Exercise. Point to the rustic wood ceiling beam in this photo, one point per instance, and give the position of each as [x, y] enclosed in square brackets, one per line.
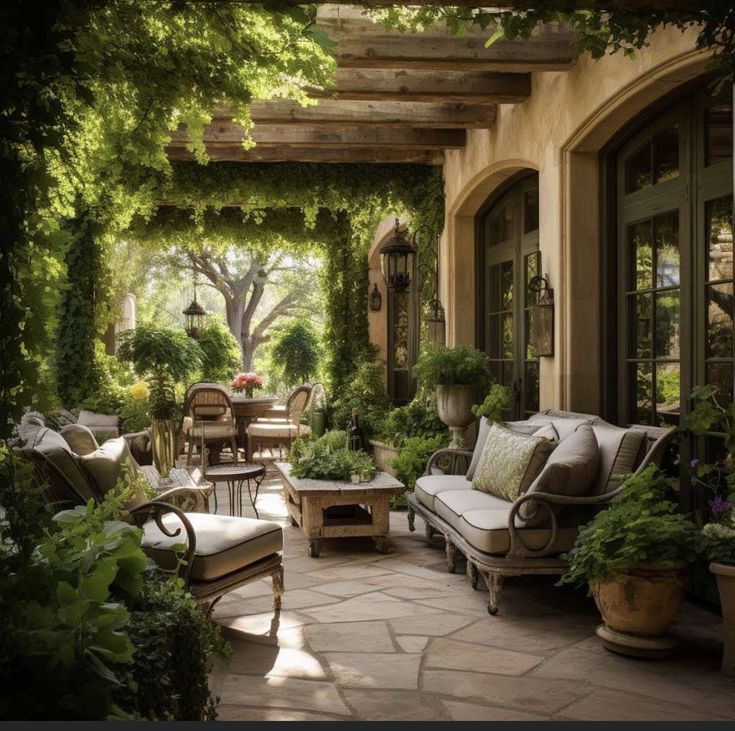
[235, 153]
[642, 5]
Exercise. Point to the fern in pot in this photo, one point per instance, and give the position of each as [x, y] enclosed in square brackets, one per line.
[458, 375]
[634, 557]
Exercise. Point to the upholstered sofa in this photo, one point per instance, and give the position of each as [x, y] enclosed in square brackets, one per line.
[223, 552]
[499, 538]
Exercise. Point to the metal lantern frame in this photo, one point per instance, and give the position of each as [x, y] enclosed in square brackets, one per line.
[195, 316]
[541, 317]
[397, 258]
[375, 299]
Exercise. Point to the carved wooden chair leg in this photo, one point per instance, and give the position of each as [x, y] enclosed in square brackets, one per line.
[473, 575]
[411, 515]
[494, 586]
[211, 605]
[278, 588]
[429, 531]
[451, 556]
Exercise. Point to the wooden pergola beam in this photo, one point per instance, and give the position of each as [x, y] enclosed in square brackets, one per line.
[427, 86]
[225, 134]
[641, 5]
[236, 153]
[346, 113]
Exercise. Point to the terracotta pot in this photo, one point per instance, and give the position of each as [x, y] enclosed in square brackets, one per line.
[725, 575]
[164, 445]
[383, 454]
[642, 600]
[454, 404]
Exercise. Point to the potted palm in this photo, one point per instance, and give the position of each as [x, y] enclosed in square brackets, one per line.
[457, 374]
[164, 356]
[634, 558]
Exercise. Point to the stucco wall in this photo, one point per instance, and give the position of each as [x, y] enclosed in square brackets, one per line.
[558, 131]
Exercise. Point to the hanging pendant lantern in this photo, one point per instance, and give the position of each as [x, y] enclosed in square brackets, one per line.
[376, 299]
[397, 257]
[194, 315]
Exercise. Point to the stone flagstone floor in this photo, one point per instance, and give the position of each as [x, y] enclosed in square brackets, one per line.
[367, 636]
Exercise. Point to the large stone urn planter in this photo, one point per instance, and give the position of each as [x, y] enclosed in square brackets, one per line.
[638, 606]
[725, 575]
[383, 454]
[454, 404]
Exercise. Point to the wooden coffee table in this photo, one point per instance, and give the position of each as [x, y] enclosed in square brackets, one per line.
[324, 509]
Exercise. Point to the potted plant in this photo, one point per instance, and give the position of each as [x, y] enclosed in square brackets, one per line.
[634, 557]
[496, 402]
[318, 410]
[457, 374]
[164, 356]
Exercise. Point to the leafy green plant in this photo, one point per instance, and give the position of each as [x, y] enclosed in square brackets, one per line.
[165, 356]
[641, 526]
[296, 352]
[443, 366]
[496, 402]
[366, 394]
[418, 418]
[328, 458]
[410, 464]
[220, 351]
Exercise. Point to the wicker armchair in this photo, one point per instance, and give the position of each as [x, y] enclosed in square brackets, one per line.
[210, 418]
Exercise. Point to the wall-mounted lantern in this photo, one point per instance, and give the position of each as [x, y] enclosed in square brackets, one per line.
[436, 323]
[541, 318]
[376, 299]
[397, 257]
[195, 315]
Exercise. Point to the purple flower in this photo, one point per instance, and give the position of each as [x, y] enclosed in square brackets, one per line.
[718, 506]
[694, 464]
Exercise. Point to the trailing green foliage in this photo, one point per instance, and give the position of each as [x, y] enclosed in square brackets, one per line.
[328, 458]
[366, 394]
[443, 366]
[641, 526]
[496, 402]
[220, 351]
[418, 418]
[295, 353]
[410, 464]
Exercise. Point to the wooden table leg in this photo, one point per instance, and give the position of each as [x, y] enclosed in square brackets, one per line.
[312, 524]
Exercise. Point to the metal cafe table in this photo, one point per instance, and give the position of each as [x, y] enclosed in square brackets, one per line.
[235, 475]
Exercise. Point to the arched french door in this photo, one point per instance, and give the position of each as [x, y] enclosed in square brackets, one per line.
[674, 263]
[508, 257]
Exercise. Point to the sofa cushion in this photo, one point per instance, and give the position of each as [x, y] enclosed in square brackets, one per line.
[487, 531]
[482, 433]
[429, 486]
[223, 544]
[79, 438]
[453, 504]
[91, 418]
[55, 448]
[621, 450]
[510, 462]
[537, 430]
[105, 464]
[564, 427]
[570, 470]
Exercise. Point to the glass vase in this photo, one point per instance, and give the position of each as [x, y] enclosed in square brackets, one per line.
[164, 445]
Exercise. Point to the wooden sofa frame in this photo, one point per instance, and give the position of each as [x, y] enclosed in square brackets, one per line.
[519, 560]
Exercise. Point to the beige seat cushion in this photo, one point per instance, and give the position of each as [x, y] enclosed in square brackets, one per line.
[105, 465]
[510, 462]
[79, 438]
[429, 486]
[214, 430]
[223, 544]
[621, 451]
[487, 531]
[278, 430]
[452, 505]
[570, 470]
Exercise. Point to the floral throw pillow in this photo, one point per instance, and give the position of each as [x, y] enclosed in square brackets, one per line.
[510, 462]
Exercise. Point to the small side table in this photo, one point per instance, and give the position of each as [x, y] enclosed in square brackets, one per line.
[235, 475]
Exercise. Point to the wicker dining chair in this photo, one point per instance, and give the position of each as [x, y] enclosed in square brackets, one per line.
[280, 432]
[210, 418]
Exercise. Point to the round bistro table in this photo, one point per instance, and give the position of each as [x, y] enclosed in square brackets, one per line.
[235, 475]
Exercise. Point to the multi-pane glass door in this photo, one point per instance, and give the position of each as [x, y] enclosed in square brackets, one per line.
[510, 258]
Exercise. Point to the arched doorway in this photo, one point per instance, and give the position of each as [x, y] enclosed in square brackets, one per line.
[507, 258]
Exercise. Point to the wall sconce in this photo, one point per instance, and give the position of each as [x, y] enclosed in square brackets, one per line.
[376, 299]
[541, 318]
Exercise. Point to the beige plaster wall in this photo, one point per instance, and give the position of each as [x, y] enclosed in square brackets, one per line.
[558, 131]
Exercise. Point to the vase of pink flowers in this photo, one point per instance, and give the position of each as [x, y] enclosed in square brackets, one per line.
[247, 383]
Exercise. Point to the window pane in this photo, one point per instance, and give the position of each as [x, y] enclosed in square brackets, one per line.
[718, 222]
[508, 373]
[720, 321]
[719, 133]
[501, 225]
[507, 284]
[494, 289]
[532, 387]
[668, 391]
[494, 326]
[496, 371]
[640, 240]
[638, 169]
[666, 154]
[643, 325]
[533, 265]
[721, 376]
[667, 249]
[642, 383]
[667, 324]
[507, 336]
[530, 211]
